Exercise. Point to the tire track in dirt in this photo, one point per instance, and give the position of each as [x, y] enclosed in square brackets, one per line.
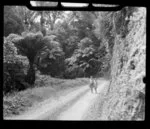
[49, 106]
[80, 109]
[72, 105]
[59, 110]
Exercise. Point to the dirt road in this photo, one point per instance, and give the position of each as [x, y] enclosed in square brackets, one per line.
[78, 104]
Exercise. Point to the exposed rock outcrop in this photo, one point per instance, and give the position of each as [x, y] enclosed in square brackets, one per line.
[126, 96]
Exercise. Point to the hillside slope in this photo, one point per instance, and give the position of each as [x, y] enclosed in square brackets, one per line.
[126, 95]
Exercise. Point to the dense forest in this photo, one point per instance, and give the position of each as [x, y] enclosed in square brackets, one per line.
[60, 44]
[62, 49]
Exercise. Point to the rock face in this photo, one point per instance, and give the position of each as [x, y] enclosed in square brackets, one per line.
[126, 96]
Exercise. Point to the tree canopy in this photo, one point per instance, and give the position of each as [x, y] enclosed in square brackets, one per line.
[65, 44]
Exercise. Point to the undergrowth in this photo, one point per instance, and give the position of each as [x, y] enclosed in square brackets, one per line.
[45, 88]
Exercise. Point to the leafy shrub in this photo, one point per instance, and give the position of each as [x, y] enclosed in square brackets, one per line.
[15, 66]
[51, 57]
[12, 22]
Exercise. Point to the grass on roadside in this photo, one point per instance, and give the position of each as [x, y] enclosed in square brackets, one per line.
[45, 87]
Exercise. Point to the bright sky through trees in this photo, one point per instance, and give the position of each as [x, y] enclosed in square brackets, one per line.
[74, 4]
[33, 3]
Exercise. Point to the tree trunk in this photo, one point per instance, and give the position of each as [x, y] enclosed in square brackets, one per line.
[43, 30]
[30, 78]
[52, 26]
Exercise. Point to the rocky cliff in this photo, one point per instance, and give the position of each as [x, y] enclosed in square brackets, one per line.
[126, 95]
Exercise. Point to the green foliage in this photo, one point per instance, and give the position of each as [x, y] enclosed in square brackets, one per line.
[51, 57]
[84, 43]
[15, 66]
[29, 45]
[12, 22]
[67, 37]
[94, 39]
[103, 24]
[81, 62]
[77, 45]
